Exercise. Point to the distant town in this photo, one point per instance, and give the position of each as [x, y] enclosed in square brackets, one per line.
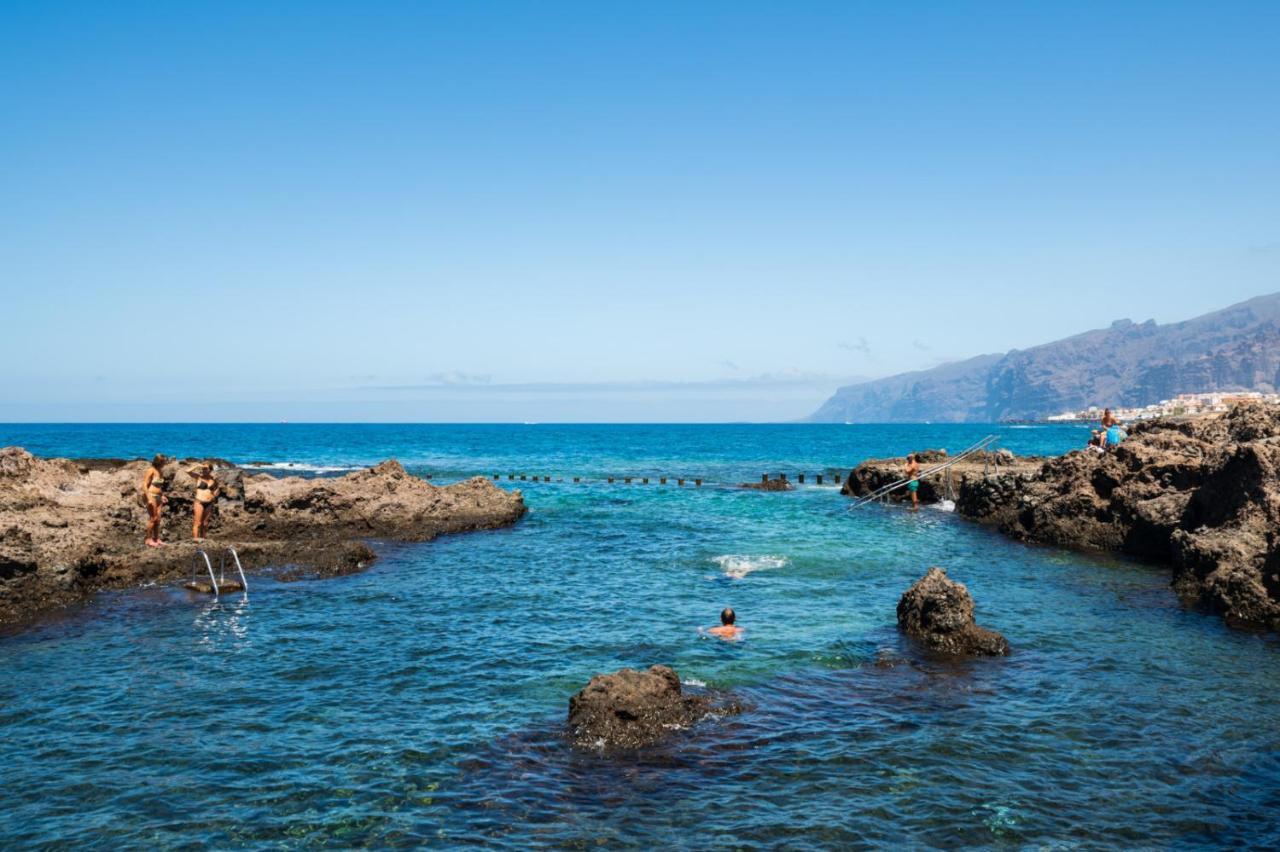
[1182, 404]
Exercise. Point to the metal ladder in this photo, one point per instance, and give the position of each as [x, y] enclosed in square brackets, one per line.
[221, 579]
[882, 493]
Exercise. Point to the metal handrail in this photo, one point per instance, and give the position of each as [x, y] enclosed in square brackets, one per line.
[207, 564]
[222, 566]
[885, 490]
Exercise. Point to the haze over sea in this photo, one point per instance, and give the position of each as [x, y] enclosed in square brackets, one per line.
[423, 700]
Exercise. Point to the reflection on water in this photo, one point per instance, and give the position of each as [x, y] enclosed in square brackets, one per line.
[422, 702]
[223, 622]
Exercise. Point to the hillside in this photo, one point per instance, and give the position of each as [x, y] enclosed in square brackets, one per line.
[1128, 364]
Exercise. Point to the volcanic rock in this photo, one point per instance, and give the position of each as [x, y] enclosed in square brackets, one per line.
[874, 474]
[1201, 494]
[632, 709]
[68, 529]
[939, 612]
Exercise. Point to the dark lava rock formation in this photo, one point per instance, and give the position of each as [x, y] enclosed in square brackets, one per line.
[632, 709]
[1202, 494]
[69, 528]
[877, 473]
[939, 612]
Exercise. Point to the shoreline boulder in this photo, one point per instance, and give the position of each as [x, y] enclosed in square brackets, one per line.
[938, 611]
[632, 709]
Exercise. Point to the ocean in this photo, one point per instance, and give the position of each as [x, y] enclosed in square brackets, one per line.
[423, 701]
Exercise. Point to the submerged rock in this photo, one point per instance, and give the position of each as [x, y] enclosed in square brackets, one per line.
[939, 612]
[68, 528]
[1200, 494]
[631, 709]
[768, 485]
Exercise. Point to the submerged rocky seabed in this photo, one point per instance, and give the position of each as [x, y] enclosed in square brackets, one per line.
[424, 701]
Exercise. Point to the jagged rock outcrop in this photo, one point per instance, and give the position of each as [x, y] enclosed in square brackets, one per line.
[873, 474]
[1237, 348]
[1201, 494]
[69, 528]
[938, 612]
[630, 709]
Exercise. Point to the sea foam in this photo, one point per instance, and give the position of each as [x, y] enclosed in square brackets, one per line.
[738, 567]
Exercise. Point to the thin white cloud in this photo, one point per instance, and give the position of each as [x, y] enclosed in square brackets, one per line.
[857, 345]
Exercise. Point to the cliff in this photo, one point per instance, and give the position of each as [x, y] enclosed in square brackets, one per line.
[1128, 364]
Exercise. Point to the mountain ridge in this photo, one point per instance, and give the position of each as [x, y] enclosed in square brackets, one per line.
[1125, 364]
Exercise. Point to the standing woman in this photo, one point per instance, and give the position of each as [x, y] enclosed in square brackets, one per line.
[153, 494]
[207, 490]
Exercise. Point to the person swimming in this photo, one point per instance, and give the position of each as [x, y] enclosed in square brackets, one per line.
[727, 628]
[912, 471]
[153, 494]
[207, 490]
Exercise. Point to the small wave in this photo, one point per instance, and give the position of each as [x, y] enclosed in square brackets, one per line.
[738, 567]
[945, 505]
[693, 681]
[303, 467]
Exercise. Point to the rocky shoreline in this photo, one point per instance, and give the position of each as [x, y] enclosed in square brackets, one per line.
[1201, 495]
[71, 528]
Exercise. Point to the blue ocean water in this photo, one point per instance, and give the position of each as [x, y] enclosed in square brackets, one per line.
[422, 702]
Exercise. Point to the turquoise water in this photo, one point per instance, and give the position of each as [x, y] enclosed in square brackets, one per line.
[422, 702]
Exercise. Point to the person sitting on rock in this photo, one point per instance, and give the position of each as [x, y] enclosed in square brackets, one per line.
[207, 490]
[1108, 419]
[153, 496]
[912, 471]
[1114, 435]
[727, 628]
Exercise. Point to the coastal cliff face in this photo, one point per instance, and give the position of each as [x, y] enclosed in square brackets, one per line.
[68, 528]
[1200, 494]
[1128, 364]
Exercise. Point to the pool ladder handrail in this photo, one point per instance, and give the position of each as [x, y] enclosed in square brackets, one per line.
[222, 568]
[882, 493]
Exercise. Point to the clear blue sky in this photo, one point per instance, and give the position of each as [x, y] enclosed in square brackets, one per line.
[606, 211]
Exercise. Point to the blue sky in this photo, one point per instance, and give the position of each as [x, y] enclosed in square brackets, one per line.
[606, 211]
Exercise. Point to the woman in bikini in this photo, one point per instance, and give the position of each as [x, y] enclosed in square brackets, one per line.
[207, 490]
[153, 493]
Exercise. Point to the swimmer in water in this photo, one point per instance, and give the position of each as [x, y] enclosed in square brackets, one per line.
[726, 630]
